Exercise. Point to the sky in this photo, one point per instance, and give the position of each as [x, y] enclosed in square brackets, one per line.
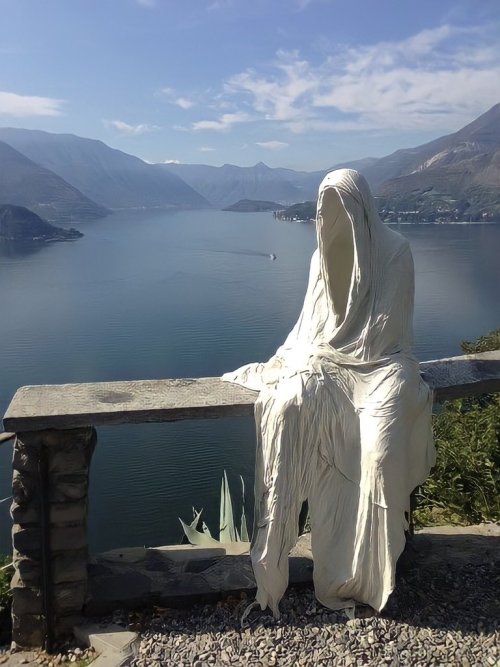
[303, 84]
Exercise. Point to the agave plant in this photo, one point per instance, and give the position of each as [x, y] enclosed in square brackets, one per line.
[228, 531]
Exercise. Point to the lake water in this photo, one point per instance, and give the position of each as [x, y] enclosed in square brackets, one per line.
[194, 294]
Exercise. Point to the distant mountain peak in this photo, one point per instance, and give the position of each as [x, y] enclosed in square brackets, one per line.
[485, 127]
[26, 183]
[106, 175]
[453, 177]
[222, 186]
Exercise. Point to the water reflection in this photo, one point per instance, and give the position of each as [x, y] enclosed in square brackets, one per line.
[15, 249]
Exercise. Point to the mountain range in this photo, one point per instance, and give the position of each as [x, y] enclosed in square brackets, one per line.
[459, 173]
[68, 178]
[452, 177]
[113, 179]
[26, 183]
[223, 186]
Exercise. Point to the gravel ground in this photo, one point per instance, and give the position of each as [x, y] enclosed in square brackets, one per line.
[449, 615]
[65, 653]
[445, 611]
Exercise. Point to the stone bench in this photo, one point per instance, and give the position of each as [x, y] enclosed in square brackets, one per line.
[55, 439]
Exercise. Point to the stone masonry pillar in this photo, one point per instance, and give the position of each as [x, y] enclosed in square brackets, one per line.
[49, 536]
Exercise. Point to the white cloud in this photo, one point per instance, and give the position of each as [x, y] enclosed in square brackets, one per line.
[184, 103]
[280, 97]
[206, 149]
[219, 4]
[21, 106]
[133, 130]
[436, 79]
[171, 161]
[225, 122]
[180, 100]
[433, 77]
[272, 145]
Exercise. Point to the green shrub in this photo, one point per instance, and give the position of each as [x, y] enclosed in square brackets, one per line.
[491, 341]
[5, 598]
[464, 487]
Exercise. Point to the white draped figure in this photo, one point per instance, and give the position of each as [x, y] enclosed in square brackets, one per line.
[343, 418]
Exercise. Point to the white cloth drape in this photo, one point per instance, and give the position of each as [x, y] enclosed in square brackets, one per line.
[343, 418]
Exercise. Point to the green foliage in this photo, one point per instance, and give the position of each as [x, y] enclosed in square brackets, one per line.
[5, 598]
[491, 341]
[464, 487]
[5, 577]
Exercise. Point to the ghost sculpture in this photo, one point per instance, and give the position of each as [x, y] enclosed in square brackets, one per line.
[343, 417]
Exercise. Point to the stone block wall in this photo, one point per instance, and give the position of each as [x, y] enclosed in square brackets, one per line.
[49, 536]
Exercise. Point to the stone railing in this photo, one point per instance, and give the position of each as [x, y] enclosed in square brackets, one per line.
[55, 438]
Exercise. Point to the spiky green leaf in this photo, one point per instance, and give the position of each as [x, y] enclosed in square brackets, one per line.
[203, 539]
[227, 531]
[243, 526]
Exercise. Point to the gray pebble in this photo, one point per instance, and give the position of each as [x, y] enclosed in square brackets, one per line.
[422, 625]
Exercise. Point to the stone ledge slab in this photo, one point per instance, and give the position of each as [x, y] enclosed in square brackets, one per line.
[183, 575]
[177, 575]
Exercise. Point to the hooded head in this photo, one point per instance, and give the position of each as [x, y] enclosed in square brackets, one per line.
[360, 266]
[360, 295]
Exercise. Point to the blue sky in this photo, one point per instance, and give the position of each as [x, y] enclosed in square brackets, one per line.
[303, 84]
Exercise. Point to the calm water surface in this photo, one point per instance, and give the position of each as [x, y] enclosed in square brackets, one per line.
[194, 294]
